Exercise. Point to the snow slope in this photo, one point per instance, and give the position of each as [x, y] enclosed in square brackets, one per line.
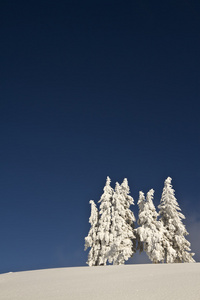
[161, 281]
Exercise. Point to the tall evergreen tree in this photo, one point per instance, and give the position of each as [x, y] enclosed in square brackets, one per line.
[175, 231]
[150, 232]
[104, 228]
[141, 202]
[122, 247]
[128, 201]
[92, 239]
[129, 216]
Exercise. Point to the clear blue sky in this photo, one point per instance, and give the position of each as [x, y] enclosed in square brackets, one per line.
[90, 89]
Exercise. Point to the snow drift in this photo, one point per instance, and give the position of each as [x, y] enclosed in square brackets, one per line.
[157, 281]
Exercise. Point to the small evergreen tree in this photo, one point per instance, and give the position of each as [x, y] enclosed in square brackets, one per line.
[122, 225]
[92, 239]
[150, 232]
[175, 230]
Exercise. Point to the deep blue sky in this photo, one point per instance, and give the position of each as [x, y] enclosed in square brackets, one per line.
[90, 89]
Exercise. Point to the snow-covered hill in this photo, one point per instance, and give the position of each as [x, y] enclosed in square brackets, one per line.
[162, 281]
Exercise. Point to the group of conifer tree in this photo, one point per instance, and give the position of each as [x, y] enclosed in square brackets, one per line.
[113, 237]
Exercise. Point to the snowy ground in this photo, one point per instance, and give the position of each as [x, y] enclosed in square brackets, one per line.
[162, 281]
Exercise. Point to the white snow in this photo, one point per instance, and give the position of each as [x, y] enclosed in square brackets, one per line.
[151, 282]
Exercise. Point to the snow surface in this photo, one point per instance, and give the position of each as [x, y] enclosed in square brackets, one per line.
[156, 281]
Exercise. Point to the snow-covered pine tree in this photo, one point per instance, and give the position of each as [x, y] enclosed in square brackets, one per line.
[111, 236]
[122, 247]
[104, 228]
[92, 239]
[130, 218]
[125, 190]
[150, 232]
[175, 230]
[141, 202]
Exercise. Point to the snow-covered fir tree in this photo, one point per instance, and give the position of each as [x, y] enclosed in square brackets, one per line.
[122, 225]
[175, 232]
[150, 230]
[130, 218]
[92, 239]
[111, 236]
[125, 190]
[104, 228]
[141, 202]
